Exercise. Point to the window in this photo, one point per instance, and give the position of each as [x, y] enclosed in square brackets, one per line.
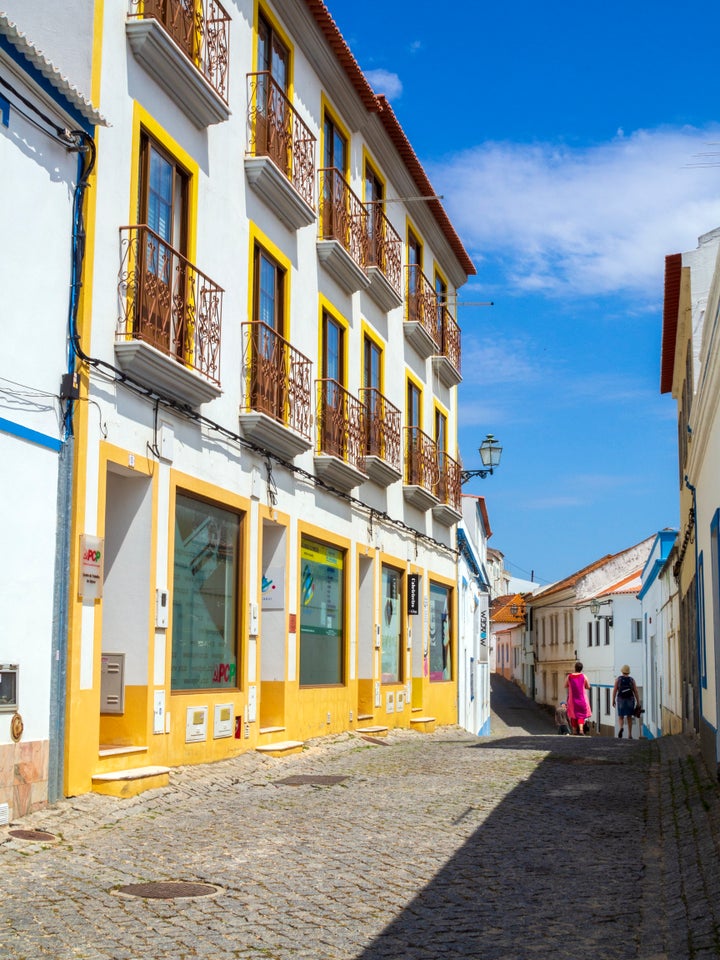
[414, 259]
[597, 633]
[267, 374]
[590, 627]
[335, 152]
[205, 596]
[413, 404]
[372, 356]
[391, 612]
[636, 631]
[607, 631]
[441, 431]
[162, 207]
[442, 302]
[440, 653]
[268, 291]
[273, 137]
[321, 613]
[273, 56]
[374, 196]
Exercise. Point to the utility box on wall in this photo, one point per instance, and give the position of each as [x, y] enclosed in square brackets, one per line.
[112, 683]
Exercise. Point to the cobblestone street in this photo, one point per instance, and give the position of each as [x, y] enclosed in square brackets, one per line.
[520, 845]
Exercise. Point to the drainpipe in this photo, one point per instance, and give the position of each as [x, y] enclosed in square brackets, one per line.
[85, 147]
[698, 648]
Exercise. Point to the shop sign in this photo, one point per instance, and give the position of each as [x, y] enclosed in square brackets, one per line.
[92, 550]
[414, 594]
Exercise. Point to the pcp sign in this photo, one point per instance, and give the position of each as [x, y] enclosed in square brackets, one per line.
[92, 550]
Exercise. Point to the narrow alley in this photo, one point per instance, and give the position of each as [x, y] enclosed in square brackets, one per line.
[410, 847]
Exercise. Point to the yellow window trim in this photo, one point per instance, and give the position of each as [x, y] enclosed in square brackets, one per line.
[261, 8]
[369, 162]
[326, 107]
[410, 228]
[257, 237]
[411, 378]
[367, 331]
[325, 306]
[143, 121]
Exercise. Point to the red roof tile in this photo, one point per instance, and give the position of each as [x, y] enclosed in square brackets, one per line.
[671, 306]
[380, 105]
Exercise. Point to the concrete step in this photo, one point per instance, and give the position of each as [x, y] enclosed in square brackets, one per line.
[129, 783]
[281, 749]
[423, 724]
[375, 731]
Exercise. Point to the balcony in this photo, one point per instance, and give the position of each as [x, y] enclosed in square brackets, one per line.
[168, 334]
[341, 435]
[448, 491]
[382, 461]
[446, 364]
[421, 469]
[276, 414]
[421, 313]
[184, 45]
[385, 260]
[281, 165]
[343, 242]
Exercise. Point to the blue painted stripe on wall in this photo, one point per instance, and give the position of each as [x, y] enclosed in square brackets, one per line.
[24, 433]
[45, 84]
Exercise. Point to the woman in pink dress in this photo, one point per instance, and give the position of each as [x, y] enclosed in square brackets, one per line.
[578, 707]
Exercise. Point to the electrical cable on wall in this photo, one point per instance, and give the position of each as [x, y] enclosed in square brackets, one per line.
[86, 147]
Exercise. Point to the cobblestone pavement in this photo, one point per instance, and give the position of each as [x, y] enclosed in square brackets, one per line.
[515, 846]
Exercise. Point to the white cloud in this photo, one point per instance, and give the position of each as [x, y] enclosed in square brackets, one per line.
[383, 81]
[583, 221]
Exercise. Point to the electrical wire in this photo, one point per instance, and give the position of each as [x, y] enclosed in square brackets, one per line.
[87, 151]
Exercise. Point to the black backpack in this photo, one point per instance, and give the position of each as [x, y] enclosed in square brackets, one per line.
[625, 686]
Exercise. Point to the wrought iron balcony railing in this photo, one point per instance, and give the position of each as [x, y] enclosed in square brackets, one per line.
[200, 28]
[421, 459]
[449, 488]
[167, 302]
[385, 247]
[422, 306]
[277, 131]
[449, 337]
[278, 378]
[383, 427]
[341, 423]
[343, 216]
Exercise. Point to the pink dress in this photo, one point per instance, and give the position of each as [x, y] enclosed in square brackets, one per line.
[578, 707]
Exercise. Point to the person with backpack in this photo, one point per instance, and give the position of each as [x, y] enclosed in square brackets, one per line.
[625, 694]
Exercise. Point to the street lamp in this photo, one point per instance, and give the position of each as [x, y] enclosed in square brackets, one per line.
[490, 452]
[595, 610]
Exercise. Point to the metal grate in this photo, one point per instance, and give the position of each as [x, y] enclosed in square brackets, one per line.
[168, 890]
[31, 835]
[314, 780]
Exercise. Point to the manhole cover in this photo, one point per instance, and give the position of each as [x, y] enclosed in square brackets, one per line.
[31, 835]
[300, 779]
[169, 890]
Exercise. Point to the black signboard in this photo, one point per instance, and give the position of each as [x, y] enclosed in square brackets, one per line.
[414, 593]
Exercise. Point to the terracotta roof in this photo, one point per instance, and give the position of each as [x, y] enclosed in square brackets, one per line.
[573, 578]
[380, 105]
[630, 584]
[671, 306]
[342, 51]
[409, 158]
[501, 609]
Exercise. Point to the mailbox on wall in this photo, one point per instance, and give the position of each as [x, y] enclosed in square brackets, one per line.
[8, 687]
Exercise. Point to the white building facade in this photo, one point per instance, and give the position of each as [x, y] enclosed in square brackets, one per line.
[266, 478]
[40, 112]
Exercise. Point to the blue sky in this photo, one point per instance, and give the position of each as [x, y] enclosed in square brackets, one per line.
[568, 141]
